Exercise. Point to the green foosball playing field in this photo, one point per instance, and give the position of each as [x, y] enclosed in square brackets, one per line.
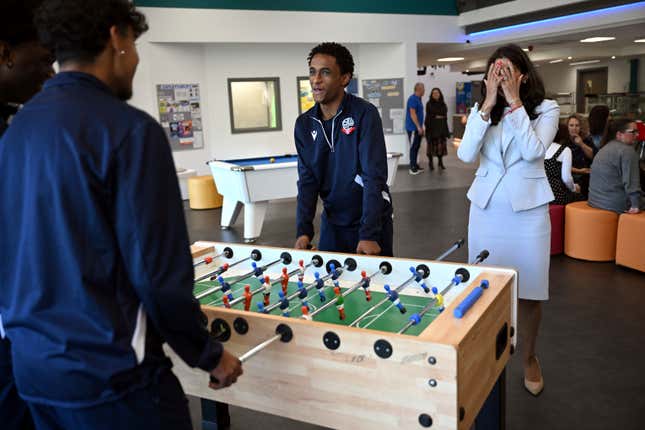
[386, 317]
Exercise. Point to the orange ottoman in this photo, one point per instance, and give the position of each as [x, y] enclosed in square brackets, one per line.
[590, 233]
[202, 193]
[630, 245]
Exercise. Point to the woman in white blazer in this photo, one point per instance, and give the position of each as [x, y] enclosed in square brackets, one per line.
[509, 215]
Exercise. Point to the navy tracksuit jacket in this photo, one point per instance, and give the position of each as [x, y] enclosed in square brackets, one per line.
[344, 161]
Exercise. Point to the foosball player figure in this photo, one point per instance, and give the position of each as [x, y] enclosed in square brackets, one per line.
[284, 304]
[305, 313]
[302, 294]
[419, 280]
[247, 297]
[257, 271]
[439, 302]
[301, 270]
[227, 302]
[340, 303]
[223, 268]
[334, 272]
[267, 291]
[365, 283]
[393, 296]
[284, 280]
[320, 286]
[226, 288]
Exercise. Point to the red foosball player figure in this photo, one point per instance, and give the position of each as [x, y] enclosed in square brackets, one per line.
[340, 303]
[284, 280]
[301, 270]
[247, 297]
[305, 313]
[267, 290]
[227, 302]
[365, 283]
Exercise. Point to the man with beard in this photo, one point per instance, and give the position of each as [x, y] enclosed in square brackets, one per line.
[95, 266]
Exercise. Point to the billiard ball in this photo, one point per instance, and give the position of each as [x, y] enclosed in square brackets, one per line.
[271, 160]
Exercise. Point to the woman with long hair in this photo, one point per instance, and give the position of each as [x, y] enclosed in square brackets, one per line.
[583, 151]
[598, 116]
[509, 214]
[436, 128]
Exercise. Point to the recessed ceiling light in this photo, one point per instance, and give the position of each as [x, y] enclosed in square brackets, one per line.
[559, 60]
[450, 59]
[613, 57]
[597, 39]
[579, 63]
[525, 49]
[639, 40]
[569, 58]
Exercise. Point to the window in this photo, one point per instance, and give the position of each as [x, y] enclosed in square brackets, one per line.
[254, 104]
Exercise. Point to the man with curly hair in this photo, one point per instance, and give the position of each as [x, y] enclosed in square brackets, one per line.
[341, 159]
[24, 65]
[95, 266]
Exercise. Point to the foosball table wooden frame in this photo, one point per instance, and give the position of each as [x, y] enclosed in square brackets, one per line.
[438, 379]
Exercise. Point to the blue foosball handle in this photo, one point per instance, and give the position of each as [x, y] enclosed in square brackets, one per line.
[468, 302]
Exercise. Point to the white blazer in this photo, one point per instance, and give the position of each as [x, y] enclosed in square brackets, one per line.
[511, 155]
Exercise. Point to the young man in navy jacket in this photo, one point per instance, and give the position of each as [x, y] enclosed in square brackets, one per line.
[341, 159]
[95, 266]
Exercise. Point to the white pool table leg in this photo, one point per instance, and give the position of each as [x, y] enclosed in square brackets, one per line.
[230, 211]
[253, 220]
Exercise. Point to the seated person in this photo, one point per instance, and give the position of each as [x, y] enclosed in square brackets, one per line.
[598, 116]
[557, 164]
[614, 184]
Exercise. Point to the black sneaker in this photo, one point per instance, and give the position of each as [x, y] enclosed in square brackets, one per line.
[415, 171]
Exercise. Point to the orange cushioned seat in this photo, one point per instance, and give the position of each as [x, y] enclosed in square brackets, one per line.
[590, 233]
[202, 193]
[630, 245]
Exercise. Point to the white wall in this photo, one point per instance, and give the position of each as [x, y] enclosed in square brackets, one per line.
[211, 64]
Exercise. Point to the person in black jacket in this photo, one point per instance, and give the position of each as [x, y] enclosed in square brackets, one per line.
[341, 159]
[436, 128]
[95, 266]
[24, 65]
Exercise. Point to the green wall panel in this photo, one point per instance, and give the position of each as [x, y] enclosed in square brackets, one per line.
[417, 7]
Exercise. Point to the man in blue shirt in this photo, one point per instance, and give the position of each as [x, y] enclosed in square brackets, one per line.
[24, 65]
[341, 159]
[95, 266]
[414, 125]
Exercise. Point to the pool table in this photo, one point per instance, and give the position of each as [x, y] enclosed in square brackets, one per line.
[253, 182]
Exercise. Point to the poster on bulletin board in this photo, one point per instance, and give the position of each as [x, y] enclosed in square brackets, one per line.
[180, 115]
[387, 96]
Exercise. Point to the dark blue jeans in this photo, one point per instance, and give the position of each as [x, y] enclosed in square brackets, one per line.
[415, 139]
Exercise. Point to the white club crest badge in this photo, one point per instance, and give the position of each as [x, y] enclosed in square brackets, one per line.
[348, 125]
[314, 133]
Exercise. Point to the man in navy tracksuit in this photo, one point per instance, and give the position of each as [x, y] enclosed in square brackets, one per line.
[341, 159]
[95, 266]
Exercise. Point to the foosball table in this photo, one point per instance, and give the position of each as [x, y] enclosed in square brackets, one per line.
[353, 341]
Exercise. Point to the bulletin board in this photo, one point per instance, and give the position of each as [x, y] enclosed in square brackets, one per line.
[387, 96]
[180, 115]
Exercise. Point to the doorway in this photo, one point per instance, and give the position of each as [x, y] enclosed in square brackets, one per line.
[591, 82]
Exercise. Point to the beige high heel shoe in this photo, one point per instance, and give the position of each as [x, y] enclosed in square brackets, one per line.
[535, 387]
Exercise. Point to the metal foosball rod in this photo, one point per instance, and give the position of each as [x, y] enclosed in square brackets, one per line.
[255, 255]
[459, 277]
[282, 332]
[383, 270]
[415, 275]
[313, 262]
[285, 258]
[333, 272]
[227, 252]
